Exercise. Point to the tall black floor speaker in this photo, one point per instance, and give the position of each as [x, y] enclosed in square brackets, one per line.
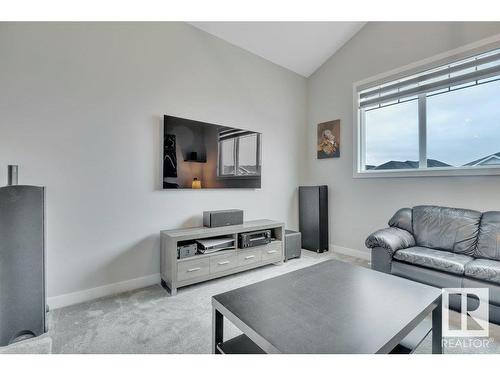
[22, 261]
[313, 217]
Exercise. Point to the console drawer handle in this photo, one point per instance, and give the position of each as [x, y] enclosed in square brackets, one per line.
[249, 257]
[222, 263]
[272, 251]
[194, 269]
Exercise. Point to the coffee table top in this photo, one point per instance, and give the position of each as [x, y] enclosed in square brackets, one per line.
[331, 307]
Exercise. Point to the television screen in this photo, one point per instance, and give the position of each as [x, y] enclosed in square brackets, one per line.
[197, 155]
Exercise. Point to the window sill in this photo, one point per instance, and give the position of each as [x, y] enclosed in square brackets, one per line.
[229, 177]
[429, 172]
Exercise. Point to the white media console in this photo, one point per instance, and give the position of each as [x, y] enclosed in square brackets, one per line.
[176, 273]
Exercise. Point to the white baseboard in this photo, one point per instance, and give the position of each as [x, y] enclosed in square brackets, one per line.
[142, 282]
[351, 252]
[102, 291]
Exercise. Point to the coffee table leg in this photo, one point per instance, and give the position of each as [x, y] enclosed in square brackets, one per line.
[437, 329]
[217, 329]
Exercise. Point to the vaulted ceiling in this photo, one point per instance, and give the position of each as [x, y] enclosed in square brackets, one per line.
[301, 47]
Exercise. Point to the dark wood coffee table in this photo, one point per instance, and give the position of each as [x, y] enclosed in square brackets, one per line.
[331, 307]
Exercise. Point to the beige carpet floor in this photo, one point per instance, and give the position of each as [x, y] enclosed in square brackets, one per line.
[149, 321]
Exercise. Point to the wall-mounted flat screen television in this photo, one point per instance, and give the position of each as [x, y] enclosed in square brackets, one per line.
[198, 155]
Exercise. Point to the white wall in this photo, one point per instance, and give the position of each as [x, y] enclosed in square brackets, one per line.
[81, 109]
[360, 206]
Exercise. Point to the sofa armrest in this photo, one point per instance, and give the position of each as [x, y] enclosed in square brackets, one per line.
[381, 260]
[391, 239]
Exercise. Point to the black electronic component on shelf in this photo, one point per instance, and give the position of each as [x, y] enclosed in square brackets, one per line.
[251, 239]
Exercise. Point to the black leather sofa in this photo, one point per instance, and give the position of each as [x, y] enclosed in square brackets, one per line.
[444, 247]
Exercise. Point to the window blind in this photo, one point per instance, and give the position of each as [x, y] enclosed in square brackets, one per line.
[233, 133]
[472, 70]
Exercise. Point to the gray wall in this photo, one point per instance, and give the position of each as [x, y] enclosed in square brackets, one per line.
[81, 110]
[359, 206]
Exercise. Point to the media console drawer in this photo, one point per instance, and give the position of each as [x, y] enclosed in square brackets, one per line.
[224, 262]
[249, 257]
[192, 268]
[272, 251]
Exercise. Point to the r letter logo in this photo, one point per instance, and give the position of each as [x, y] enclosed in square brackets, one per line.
[474, 317]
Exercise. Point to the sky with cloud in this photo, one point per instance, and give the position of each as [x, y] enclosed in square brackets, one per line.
[462, 126]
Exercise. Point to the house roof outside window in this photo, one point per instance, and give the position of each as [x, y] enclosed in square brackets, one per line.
[493, 159]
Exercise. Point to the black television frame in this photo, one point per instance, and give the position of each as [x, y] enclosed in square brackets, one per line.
[196, 145]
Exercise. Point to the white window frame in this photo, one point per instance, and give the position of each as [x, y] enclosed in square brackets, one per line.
[478, 47]
[236, 157]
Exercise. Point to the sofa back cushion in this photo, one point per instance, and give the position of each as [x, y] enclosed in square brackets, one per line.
[444, 228]
[488, 245]
[402, 219]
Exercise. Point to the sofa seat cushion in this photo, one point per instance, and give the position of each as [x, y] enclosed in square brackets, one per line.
[484, 269]
[435, 259]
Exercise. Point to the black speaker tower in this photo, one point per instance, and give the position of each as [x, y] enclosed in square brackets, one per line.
[22, 261]
[313, 217]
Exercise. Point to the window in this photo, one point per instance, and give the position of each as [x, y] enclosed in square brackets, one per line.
[463, 126]
[391, 135]
[239, 154]
[438, 121]
[227, 157]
